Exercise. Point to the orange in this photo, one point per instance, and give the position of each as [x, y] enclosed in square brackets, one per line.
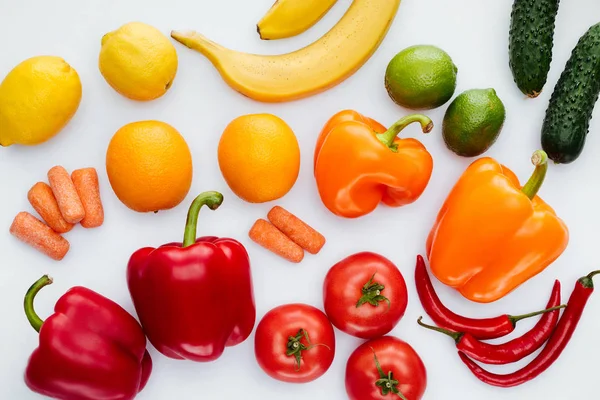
[149, 166]
[259, 157]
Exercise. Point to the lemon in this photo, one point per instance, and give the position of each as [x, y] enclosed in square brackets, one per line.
[138, 61]
[37, 99]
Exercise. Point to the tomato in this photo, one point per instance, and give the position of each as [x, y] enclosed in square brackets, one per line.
[365, 295]
[384, 368]
[294, 343]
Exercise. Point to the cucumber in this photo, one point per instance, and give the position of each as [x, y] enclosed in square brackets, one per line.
[570, 110]
[530, 43]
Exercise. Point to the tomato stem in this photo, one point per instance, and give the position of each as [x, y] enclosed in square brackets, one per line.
[387, 383]
[371, 293]
[295, 347]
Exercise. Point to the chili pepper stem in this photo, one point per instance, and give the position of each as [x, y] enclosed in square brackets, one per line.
[454, 335]
[35, 321]
[533, 185]
[212, 200]
[516, 318]
[587, 281]
[388, 137]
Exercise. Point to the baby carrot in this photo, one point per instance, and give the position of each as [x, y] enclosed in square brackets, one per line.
[296, 229]
[42, 199]
[86, 184]
[40, 236]
[66, 195]
[269, 237]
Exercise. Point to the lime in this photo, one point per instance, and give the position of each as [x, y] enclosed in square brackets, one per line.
[473, 122]
[421, 77]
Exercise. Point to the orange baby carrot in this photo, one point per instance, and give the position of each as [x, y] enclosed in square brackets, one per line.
[66, 195]
[86, 184]
[296, 229]
[271, 238]
[40, 236]
[42, 199]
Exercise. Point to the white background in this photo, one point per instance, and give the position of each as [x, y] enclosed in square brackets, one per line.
[200, 105]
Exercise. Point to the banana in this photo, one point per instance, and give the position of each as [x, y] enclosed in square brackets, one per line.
[288, 18]
[310, 70]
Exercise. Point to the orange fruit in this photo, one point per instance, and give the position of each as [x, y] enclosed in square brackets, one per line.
[149, 166]
[259, 157]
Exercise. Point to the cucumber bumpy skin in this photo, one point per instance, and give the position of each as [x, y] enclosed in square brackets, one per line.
[530, 43]
[568, 115]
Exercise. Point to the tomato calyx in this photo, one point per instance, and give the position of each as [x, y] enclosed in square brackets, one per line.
[387, 383]
[371, 293]
[295, 347]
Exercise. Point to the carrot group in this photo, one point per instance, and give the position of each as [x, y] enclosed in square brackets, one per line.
[286, 235]
[65, 202]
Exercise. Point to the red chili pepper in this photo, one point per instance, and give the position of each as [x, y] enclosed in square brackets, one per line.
[90, 348]
[514, 350]
[482, 329]
[196, 298]
[553, 349]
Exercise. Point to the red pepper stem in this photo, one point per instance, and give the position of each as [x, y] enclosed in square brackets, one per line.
[454, 335]
[517, 318]
[588, 281]
[388, 137]
[533, 185]
[212, 200]
[35, 321]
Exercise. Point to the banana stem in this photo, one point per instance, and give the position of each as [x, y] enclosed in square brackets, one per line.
[198, 42]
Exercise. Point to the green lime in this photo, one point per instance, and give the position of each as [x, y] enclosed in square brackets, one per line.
[421, 77]
[473, 122]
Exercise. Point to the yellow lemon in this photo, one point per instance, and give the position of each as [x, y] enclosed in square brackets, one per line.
[138, 61]
[37, 99]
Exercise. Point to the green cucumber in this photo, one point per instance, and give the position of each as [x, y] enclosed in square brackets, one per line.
[530, 43]
[570, 110]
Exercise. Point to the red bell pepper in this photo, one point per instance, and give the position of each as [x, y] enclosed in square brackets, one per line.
[90, 348]
[194, 298]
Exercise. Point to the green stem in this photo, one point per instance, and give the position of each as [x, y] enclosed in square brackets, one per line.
[588, 281]
[386, 383]
[212, 200]
[517, 318]
[371, 293]
[35, 321]
[295, 347]
[388, 137]
[454, 335]
[540, 160]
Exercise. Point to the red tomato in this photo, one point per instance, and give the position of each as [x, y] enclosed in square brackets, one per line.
[294, 343]
[365, 295]
[369, 368]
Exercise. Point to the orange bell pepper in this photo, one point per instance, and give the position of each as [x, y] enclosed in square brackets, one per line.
[491, 234]
[359, 164]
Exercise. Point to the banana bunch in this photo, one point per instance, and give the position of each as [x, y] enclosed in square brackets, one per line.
[308, 71]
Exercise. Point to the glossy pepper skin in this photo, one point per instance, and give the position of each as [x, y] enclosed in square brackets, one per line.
[196, 298]
[90, 348]
[359, 164]
[491, 235]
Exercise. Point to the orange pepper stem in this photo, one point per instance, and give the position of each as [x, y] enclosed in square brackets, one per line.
[540, 160]
[454, 335]
[390, 135]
